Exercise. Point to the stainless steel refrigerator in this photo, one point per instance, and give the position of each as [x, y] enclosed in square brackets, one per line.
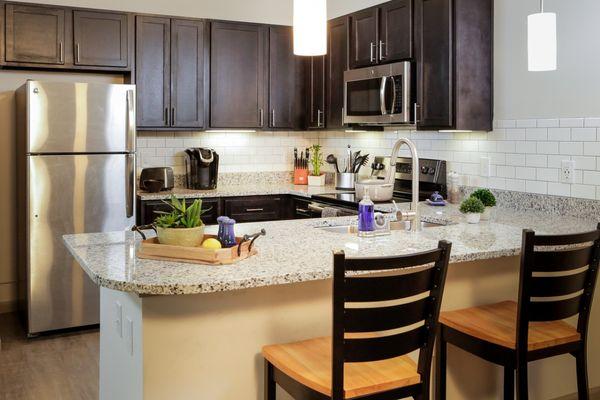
[76, 173]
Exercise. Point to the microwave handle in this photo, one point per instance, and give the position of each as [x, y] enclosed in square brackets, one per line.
[382, 95]
[394, 95]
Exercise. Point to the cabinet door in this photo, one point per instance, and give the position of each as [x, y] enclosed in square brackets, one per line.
[434, 60]
[35, 34]
[282, 72]
[237, 89]
[363, 38]
[148, 210]
[337, 63]
[395, 31]
[316, 92]
[100, 39]
[153, 43]
[188, 62]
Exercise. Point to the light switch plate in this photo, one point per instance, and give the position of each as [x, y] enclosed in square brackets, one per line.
[119, 319]
[485, 167]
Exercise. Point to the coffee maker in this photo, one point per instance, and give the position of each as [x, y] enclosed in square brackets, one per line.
[201, 168]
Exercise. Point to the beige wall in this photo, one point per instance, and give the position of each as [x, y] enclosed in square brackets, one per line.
[9, 81]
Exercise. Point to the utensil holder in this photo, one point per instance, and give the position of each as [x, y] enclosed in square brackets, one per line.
[345, 181]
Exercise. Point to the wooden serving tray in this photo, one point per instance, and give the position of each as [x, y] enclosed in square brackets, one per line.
[151, 249]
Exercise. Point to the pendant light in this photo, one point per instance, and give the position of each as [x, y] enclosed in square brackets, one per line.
[541, 40]
[310, 27]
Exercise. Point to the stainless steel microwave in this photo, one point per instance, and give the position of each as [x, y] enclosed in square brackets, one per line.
[379, 95]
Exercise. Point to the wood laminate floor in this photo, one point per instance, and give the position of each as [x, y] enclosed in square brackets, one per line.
[59, 367]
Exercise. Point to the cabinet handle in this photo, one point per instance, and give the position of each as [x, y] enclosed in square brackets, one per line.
[255, 209]
[77, 52]
[372, 52]
[261, 117]
[173, 116]
[417, 108]
[61, 52]
[273, 118]
[166, 119]
[381, 56]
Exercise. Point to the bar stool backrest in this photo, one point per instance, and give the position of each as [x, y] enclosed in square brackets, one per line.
[393, 311]
[557, 281]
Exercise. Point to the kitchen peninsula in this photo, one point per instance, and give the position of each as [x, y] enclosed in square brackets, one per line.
[172, 330]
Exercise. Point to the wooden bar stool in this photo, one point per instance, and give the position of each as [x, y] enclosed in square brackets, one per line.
[557, 280]
[377, 320]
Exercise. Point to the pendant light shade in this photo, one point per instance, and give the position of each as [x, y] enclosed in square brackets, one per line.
[310, 27]
[541, 41]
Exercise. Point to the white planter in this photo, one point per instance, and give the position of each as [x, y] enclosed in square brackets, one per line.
[473, 218]
[487, 214]
[316, 180]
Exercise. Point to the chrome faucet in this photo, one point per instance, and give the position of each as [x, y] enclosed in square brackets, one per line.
[412, 215]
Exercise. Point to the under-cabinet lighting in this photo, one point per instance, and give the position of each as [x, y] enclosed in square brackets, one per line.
[541, 40]
[231, 131]
[310, 27]
[455, 131]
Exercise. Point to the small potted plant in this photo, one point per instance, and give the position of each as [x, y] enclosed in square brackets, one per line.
[182, 226]
[489, 202]
[472, 207]
[316, 177]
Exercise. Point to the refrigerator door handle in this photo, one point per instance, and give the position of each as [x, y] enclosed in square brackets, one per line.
[129, 184]
[130, 132]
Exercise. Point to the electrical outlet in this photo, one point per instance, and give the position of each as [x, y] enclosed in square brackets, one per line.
[567, 171]
[485, 167]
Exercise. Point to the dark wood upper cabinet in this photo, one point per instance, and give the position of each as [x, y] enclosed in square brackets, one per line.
[337, 63]
[238, 84]
[364, 27]
[455, 36]
[315, 97]
[282, 72]
[100, 38]
[188, 72]
[35, 34]
[395, 31]
[153, 71]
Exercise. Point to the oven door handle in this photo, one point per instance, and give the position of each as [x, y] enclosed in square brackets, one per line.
[382, 95]
[315, 208]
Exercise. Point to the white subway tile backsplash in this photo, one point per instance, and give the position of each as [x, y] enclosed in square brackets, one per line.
[525, 154]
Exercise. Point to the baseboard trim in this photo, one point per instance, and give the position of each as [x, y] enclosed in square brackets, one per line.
[594, 395]
[8, 306]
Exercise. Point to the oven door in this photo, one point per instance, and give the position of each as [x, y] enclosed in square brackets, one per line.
[377, 95]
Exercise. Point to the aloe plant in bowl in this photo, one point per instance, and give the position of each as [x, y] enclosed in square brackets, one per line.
[489, 202]
[472, 207]
[316, 178]
[183, 225]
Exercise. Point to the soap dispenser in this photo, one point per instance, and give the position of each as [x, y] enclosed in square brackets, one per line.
[366, 216]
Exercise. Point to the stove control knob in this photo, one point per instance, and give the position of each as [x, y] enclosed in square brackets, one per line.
[425, 170]
[431, 171]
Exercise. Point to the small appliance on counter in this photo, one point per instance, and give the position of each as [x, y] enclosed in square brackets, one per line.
[201, 168]
[157, 179]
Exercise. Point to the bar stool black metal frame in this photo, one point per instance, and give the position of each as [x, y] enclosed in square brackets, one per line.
[358, 288]
[541, 298]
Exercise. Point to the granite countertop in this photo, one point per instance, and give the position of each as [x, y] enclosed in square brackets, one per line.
[297, 251]
[242, 190]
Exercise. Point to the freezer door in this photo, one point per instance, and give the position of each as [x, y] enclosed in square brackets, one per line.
[79, 117]
[71, 194]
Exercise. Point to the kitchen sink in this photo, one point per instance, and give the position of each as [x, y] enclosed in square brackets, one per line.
[395, 226]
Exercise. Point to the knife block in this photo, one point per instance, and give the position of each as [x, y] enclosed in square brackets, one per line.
[300, 176]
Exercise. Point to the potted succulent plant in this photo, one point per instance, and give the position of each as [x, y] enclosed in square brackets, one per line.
[489, 202]
[182, 226]
[316, 177]
[472, 207]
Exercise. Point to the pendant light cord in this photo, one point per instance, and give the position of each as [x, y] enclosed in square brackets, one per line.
[542, 5]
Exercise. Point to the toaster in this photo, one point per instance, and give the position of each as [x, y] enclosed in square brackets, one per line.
[162, 174]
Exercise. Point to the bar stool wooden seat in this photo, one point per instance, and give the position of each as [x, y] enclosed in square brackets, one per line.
[557, 281]
[378, 319]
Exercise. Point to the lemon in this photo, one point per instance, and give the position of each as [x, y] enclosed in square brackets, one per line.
[211, 243]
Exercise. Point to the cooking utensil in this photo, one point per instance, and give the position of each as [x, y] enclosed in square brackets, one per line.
[360, 162]
[331, 159]
[348, 161]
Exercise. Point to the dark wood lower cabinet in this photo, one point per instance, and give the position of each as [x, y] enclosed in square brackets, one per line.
[146, 210]
[253, 209]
